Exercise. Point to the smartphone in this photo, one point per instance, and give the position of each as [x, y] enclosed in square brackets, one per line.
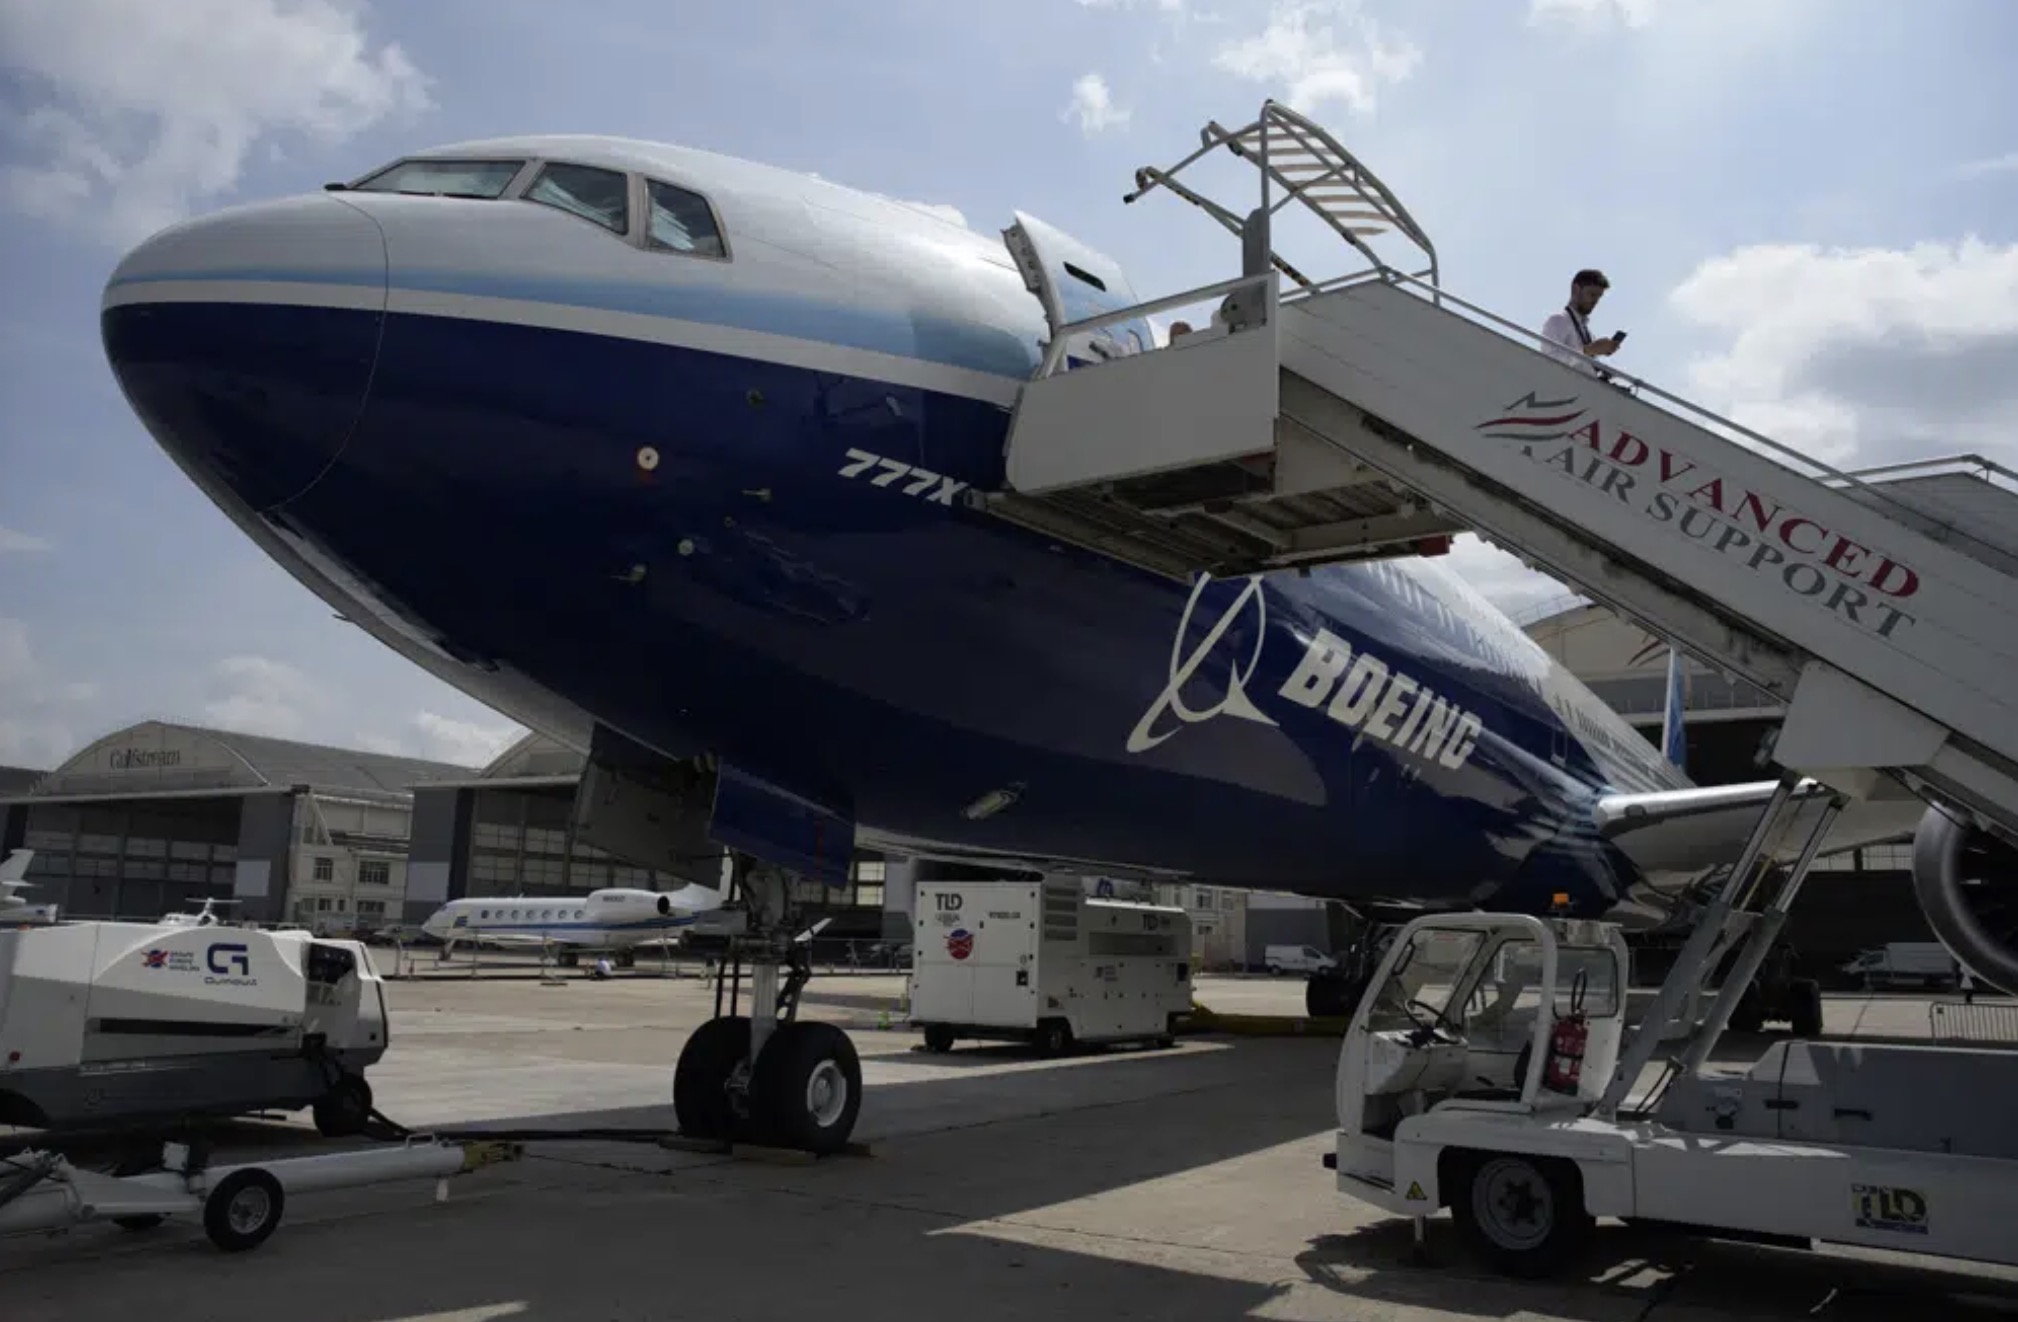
[1618, 337]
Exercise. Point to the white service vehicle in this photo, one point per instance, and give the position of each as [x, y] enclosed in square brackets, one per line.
[1043, 963]
[1906, 964]
[1297, 959]
[1483, 1071]
[116, 1023]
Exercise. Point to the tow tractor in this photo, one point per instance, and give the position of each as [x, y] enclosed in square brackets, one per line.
[1488, 1069]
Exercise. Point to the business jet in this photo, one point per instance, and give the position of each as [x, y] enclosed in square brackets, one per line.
[668, 455]
[616, 919]
[13, 875]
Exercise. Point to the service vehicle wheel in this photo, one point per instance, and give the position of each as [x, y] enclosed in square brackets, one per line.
[243, 1210]
[806, 1088]
[138, 1163]
[714, 1051]
[1327, 996]
[938, 1038]
[1806, 1018]
[345, 1109]
[1524, 1215]
[1052, 1038]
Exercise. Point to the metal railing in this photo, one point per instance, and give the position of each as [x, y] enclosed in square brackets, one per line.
[1819, 472]
[1054, 352]
[1299, 144]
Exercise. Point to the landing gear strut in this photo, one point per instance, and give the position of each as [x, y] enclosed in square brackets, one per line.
[766, 1078]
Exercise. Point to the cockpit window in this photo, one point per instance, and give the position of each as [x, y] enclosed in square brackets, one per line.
[682, 222]
[602, 196]
[485, 179]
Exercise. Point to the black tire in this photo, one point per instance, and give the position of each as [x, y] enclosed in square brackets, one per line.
[938, 1038]
[1749, 1014]
[243, 1209]
[1806, 995]
[1329, 997]
[345, 1110]
[701, 1103]
[138, 1163]
[1053, 1038]
[806, 1088]
[1523, 1215]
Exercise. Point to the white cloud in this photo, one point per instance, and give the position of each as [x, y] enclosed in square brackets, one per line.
[37, 706]
[441, 738]
[1632, 13]
[1304, 54]
[1989, 165]
[258, 695]
[153, 106]
[1167, 6]
[20, 543]
[1863, 356]
[446, 739]
[1092, 106]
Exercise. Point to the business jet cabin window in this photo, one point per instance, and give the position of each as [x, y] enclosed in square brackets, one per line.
[683, 222]
[602, 196]
[480, 179]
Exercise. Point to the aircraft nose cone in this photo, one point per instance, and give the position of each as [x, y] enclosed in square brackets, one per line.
[245, 341]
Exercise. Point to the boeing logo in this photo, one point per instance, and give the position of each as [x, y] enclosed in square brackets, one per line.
[1183, 667]
[1361, 692]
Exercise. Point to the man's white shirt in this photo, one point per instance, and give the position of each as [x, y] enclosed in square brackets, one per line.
[1561, 340]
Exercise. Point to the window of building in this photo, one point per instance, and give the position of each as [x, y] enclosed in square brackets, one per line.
[484, 179]
[683, 221]
[374, 872]
[325, 868]
[371, 908]
[602, 196]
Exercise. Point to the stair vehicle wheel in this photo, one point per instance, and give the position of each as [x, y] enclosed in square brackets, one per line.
[711, 1057]
[1749, 1014]
[345, 1109]
[1524, 1215]
[806, 1088]
[1326, 996]
[1053, 1038]
[243, 1210]
[1806, 995]
[938, 1038]
[138, 1163]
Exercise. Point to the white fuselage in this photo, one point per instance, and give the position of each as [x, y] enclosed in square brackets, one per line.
[611, 919]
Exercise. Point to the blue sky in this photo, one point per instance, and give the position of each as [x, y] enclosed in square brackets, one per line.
[1808, 209]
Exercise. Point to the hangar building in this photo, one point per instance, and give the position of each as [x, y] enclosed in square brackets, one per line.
[158, 817]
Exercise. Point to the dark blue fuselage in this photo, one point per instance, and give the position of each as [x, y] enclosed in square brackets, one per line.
[690, 547]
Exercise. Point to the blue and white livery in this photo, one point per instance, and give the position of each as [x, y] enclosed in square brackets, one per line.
[621, 436]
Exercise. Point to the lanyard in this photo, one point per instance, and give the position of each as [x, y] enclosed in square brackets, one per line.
[1583, 331]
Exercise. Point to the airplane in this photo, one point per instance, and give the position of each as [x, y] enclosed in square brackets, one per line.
[665, 454]
[615, 918]
[13, 874]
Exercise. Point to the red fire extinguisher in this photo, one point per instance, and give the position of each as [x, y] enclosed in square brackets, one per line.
[1563, 1070]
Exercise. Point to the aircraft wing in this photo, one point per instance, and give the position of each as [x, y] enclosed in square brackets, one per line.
[1689, 830]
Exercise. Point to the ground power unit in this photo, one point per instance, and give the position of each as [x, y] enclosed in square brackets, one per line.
[106, 1024]
[1045, 964]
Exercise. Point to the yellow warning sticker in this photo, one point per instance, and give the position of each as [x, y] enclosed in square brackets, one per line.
[1415, 1194]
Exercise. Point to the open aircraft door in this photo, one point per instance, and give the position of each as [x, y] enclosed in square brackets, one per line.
[1074, 282]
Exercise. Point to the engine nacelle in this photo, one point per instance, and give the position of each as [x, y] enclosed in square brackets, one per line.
[1966, 880]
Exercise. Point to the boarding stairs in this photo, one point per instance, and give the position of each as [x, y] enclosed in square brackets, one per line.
[1376, 414]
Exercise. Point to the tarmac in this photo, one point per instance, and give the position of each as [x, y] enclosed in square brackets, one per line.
[1172, 1185]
